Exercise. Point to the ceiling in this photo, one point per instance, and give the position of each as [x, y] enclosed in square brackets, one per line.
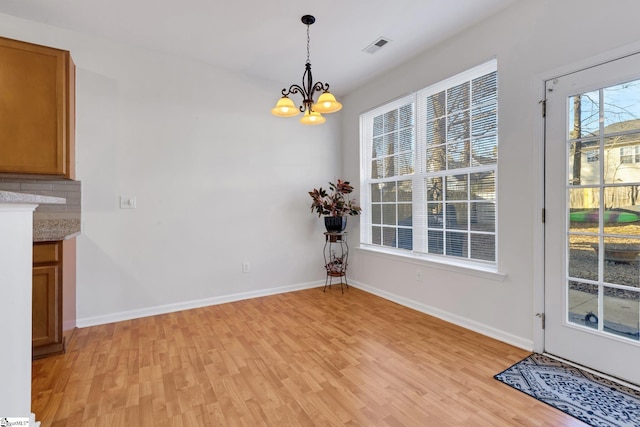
[266, 39]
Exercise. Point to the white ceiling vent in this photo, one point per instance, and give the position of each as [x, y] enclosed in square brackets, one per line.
[376, 45]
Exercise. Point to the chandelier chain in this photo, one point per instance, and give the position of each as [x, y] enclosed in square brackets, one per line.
[308, 41]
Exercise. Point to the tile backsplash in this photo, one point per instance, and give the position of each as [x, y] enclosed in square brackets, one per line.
[71, 190]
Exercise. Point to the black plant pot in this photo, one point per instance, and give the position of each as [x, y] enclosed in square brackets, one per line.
[335, 224]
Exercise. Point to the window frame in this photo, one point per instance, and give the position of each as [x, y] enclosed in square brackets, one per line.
[420, 175]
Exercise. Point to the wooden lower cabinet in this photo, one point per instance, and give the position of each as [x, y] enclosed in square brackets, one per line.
[53, 296]
[47, 322]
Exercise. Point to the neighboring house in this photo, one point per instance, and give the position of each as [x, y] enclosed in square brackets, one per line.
[621, 153]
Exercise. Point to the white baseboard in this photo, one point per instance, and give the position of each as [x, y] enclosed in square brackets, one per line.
[187, 305]
[449, 317]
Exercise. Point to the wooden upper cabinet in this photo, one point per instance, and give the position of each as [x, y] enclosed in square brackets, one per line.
[37, 110]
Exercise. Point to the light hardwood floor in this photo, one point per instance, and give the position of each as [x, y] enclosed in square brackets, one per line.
[304, 358]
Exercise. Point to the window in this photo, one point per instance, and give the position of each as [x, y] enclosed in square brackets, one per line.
[630, 154]
[429, 170]
[593, 156]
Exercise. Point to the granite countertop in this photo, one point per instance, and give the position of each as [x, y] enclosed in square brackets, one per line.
[47, 227]
[11, 197]
[54, 229]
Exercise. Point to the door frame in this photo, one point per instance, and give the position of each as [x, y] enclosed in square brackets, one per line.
[538, 193]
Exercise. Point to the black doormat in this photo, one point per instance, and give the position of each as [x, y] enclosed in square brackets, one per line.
[592, 399]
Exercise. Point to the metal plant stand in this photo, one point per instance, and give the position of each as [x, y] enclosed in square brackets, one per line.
[336, 256]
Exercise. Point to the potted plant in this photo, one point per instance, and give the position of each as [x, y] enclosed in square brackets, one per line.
[334, 205]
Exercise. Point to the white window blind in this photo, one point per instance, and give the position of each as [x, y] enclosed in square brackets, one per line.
[429, 169]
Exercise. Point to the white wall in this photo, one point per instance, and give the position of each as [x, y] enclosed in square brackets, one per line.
[530, 39]
[218, 180]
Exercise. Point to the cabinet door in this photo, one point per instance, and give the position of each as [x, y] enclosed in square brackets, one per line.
[46, 314]
[36, 109]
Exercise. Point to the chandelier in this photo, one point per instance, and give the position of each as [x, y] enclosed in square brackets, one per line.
[312, 111]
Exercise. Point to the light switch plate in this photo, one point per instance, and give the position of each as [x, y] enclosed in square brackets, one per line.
[127, 202]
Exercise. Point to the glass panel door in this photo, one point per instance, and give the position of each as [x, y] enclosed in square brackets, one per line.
[592, 232]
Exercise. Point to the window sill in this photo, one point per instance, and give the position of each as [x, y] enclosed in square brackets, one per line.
[487, 272]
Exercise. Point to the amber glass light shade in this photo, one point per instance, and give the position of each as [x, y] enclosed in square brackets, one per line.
[312, 118]
[327, 104]
[285, 108]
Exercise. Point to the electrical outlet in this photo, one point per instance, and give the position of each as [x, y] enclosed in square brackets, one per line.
[418, 275]
[127, 202]
[246, 267]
